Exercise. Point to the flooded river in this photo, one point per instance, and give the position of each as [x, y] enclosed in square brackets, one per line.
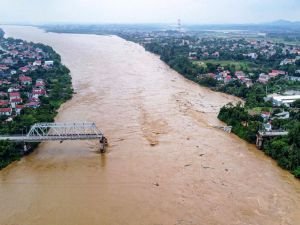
[166, 164]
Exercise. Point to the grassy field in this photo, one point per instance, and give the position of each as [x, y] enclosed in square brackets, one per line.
[239, 65]
[281, 40]
[259, 110]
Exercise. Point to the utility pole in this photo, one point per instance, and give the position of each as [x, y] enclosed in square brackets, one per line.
[179, 25]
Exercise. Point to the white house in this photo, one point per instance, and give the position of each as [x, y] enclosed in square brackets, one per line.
[19, 109]
[49, 63]
[37, 63]
[253, 55]
[283, 115]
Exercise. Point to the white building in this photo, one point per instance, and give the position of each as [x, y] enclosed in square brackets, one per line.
[284, 100]
[49, 63]
[252, 55]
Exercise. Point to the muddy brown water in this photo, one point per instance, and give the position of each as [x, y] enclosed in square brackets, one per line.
[166, 164]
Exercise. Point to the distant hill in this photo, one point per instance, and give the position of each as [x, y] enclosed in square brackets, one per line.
[284, 23]
[278, 26]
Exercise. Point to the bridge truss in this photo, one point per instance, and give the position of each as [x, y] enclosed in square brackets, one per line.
[63, 131]
[40, 132]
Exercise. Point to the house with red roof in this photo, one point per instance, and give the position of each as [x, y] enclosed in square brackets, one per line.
[3, 67]
[32, 104]
[227, 79]
[4, 103]
[225, 73]
[5, 111]
[15, 101]
[3, 94]
[24, 69]
[37, 92]
[25, 80]
[240, 75]
[14, 95]
[40, 83]
[263, 78]
[276, 73]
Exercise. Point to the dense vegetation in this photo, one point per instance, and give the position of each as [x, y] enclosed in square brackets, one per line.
[286, 150]
[59, 88]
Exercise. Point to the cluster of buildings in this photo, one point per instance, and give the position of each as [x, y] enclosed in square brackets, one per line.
[211, 47]
[201, 48]
[264, 78]
[18, 97]
[17, 56]
[18, 90]
[226, 76]
[245, 49]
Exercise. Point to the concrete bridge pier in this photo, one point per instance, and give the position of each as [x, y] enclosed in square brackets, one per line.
[103, 144]
[259, 141]
[25, 149]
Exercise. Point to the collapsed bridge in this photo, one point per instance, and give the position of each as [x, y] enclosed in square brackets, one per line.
[41, 132]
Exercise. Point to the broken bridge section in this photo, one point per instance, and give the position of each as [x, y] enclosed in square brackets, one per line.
[262, 135]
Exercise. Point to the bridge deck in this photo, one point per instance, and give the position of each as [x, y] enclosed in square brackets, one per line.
[272, 133]
[50, 138]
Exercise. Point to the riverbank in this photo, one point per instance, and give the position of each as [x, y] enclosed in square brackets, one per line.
[31, 91]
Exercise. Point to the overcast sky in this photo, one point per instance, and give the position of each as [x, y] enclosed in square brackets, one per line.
[148, 11]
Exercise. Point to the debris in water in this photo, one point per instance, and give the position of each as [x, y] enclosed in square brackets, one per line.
[207, 167]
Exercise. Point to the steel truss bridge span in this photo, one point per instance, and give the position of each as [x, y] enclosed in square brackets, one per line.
[41, 132]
